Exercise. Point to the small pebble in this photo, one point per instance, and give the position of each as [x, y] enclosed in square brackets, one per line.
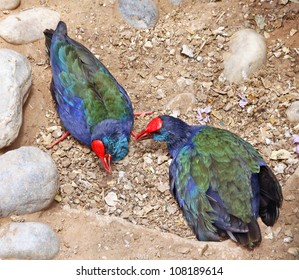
[184, 102]
[163, 187]
[294, 251]
[161, 159]
[186, 50]
[268, 233]
[148, 45]
[183, 250]
[288, 239]
[279, 168]
[171, 209]
[280, 154]
[111, 199]
[289, 197]
[293, 112]
[66, 162]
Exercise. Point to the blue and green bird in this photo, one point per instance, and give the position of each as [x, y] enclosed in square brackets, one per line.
[220, 181]
[91, 104]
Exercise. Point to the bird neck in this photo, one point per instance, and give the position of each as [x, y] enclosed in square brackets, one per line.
[178, 138]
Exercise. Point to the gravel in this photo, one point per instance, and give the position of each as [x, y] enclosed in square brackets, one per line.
[140, 181]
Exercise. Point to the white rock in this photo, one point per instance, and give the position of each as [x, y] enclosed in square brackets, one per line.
[294, 251]
[111, 199]
[183, 102]
[28, 181]
[268, 233]
[162, 158]
[16, 80]
[28, 26]
[247, 53]
[183, 82]
[279, 168]
[280, 154]
[186, 50]
[148, 45]
[163, 187]
[288, 239]
[289, 197]
[176, 2]
[183, 250]
[160, 94]
[139, 14]
[172, 208]
[293, 112]
[28, 240]
[9, 4]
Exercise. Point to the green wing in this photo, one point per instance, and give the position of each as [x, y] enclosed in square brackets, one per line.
[82, 76]
[211, 178]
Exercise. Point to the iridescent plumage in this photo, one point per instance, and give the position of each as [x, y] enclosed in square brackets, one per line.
[220, 181]
[91, 104]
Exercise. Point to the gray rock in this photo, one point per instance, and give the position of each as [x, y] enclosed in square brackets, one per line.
[9, 4]
[28, 181]
[183, 102]
[28, 240]
[140, 13]
[16, 80]
[293, 112]
[247, 53]
[28, 26]
[176, 2]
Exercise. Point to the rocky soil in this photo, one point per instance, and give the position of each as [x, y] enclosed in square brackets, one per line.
[152, 68]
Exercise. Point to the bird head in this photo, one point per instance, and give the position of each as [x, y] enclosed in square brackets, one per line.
[110, 141]
[168, 129]
[99, 149]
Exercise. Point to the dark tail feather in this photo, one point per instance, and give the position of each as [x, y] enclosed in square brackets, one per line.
[271, 196]
[249, 239]
[48, 38]
[61, 29]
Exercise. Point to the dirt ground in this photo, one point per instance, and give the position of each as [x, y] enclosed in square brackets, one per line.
[154, 74]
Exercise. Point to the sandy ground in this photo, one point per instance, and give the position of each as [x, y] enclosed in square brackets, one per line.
[146, 223]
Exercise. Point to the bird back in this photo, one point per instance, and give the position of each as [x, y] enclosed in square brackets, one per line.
[82, 86]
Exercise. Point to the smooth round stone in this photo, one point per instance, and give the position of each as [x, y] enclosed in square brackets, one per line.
[247, 53]
[28, 181]
[293, 112]
[28, 240]
[9, 4]
[139, 13]
[28, 26]
[183, 102]
[16, 80]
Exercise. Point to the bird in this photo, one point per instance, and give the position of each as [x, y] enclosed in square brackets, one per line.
[93, 107]
[220, 181]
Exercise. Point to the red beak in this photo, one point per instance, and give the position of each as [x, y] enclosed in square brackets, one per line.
[143, 135]
[106, 163]
[153, 126]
